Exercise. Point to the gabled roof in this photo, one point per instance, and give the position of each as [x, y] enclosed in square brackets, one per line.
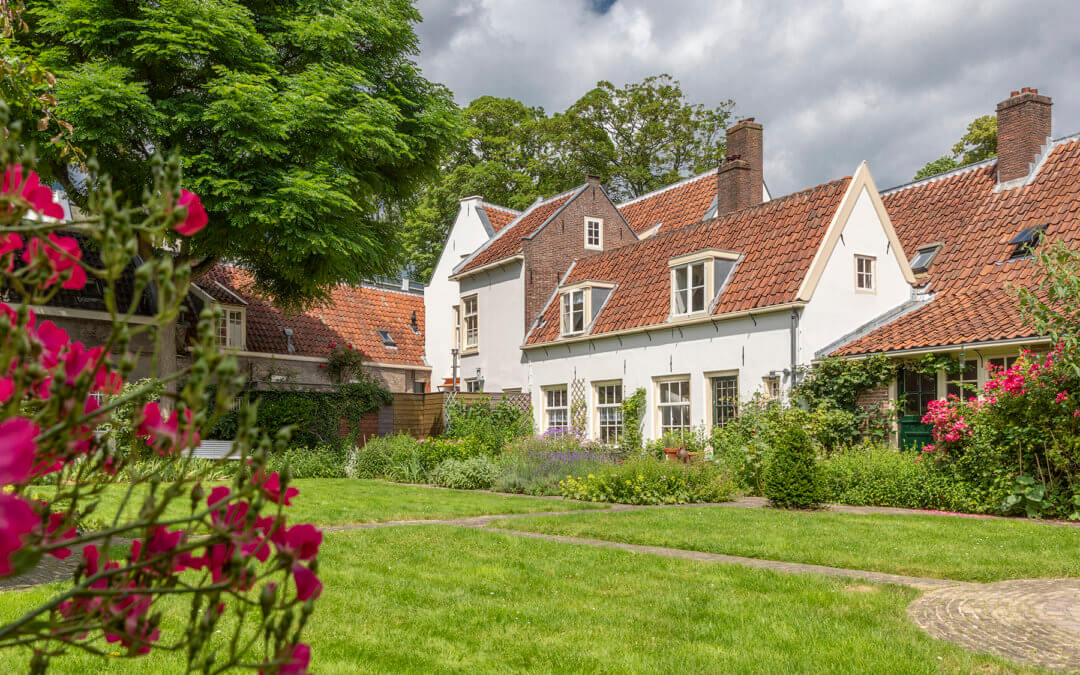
[498, 216]
[974, 221]
[352, 316]
[672, 207]
[507, 242]
[776, 242]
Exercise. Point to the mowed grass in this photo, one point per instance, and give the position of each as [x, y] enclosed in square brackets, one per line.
[345, 501]
[948, 547]
[443, 599]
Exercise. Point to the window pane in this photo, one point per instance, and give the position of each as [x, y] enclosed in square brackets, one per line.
[697, 301]
[698, 275]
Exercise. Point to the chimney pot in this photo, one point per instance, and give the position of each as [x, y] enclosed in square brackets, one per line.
[1015, 93]
[1023, 127]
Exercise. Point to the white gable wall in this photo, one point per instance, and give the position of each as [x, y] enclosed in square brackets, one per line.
[836, 307]
[467, 234]
[500, 292]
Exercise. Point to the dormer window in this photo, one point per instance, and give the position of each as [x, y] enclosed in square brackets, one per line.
[387, 339]
[698, 278]
[573, 312]
[579, 304]
[1025, 243]
[231, 328]
[924, 258]
[594, 233]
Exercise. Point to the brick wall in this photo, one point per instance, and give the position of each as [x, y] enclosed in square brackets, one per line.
[878, 397]
[1023, 125]
[549, 253]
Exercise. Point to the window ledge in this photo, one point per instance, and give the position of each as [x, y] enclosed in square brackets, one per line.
[470, 351]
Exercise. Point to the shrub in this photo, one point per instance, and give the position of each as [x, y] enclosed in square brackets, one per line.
[791, 478]
[633, 414]
[475, 473]
[321, 461]
[744, 443]
[493, 427]
[649, 481]
[402, 458]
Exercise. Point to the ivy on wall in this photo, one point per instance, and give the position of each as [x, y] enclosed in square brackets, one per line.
[633, 413]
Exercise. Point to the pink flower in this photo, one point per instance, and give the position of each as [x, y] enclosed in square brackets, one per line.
[165, 433]
[298, 661]
[31, 191]
[195, 219]
[300, 541]
[62, 255]
[308, 585]
[52, 537]
[9, 244]
[272, 488]
[17, 457]
[7, 388]
[17, 518]
[1061, 396]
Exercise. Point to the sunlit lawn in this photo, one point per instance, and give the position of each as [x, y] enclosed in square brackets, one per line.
[443, 599]
[971, 549]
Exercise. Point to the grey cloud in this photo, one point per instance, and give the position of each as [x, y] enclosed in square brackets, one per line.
[834, 83]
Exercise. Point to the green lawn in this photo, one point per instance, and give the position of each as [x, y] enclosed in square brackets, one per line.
[441, 599]
[343, 501]
[970, 549]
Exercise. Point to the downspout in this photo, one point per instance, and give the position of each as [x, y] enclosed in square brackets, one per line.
[794, 345]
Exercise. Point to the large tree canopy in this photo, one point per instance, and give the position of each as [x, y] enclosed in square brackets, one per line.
[635, 138]
[300, 124]
[979, 142]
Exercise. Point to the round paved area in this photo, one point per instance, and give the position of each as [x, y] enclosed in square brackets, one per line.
[1034, 621]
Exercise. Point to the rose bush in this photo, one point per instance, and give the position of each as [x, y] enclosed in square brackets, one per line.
[248, 574]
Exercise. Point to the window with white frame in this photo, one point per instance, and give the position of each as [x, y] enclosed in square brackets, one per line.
[230, 328]
[965, 383]
[469, 322]
[474, 386]
[594, 233]
[864, 273]
[573, 312]
[609, 412]
[688, 287]
[556, 408]
[725, 399]
[998, 364]
[673, 405]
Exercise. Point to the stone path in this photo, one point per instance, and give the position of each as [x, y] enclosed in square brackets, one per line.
[1031, 621]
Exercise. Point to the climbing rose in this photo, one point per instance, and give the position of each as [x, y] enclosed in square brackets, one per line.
[272, 488]
[17, 443]
[196, 215]
[17, 518]
[9, 244]
[32, 191]
[308, 585]
[63, 254]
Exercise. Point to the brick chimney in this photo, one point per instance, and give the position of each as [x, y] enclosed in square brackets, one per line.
[1023, 127]
[739, 182]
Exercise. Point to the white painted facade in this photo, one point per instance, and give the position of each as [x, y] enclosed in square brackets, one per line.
[497, 359]
[468, 233]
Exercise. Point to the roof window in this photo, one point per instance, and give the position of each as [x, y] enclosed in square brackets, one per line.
[387, 339]
[924, 258]
[1025, 243]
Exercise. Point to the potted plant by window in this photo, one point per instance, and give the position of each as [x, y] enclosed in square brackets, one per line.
[685, 445]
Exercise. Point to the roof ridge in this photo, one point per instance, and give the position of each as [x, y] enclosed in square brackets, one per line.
[660, 190]
[662, 236]
[941, 176]
[498, 206]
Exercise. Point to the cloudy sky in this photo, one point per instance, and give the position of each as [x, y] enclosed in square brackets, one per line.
[834, 83]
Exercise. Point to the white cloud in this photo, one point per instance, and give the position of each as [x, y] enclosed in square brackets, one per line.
[833, 82]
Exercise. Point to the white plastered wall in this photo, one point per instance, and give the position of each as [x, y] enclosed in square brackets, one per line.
[500, 296]
[466, 235]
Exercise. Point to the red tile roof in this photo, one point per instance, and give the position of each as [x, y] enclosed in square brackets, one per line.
[499, 216]
[353, 315]
[507, 242]
[962, 211]
[675, 206]
[777, 241]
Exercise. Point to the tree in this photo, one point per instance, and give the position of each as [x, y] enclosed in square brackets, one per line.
[637, 138]
[979, 142]
[643, 136]
[299, 124]
[247, 578]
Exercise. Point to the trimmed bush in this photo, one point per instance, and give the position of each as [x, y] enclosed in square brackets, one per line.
[321, 461]
[404, 459]
[650, 481]
[475, 473]
[492, 427]
[791, 479]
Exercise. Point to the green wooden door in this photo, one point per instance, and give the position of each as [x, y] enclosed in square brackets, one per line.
[916, 390]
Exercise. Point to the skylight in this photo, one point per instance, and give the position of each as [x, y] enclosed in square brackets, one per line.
[1025, 243]
[387, 339]
[924, 257]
